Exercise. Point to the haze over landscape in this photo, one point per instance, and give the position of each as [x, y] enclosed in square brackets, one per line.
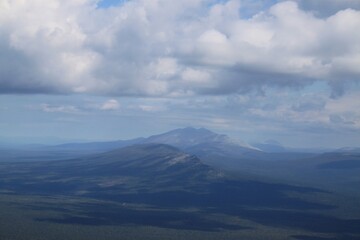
[192, 119]
[106, 70]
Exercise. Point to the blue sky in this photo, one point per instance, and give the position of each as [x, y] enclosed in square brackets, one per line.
[110, 3]
[255, 70]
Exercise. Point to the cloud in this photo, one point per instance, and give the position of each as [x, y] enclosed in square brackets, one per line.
[152, 108]
[328, 7]
[310, 104]
[170, 49]
[336, 119]
[59, 108]
[111, 104]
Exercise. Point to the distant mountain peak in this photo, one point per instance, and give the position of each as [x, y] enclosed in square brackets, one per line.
[191, 130]
[190, 137]
[182, 138]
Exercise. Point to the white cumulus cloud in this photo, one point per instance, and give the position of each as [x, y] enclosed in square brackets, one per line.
[175, 48]
[111, 104]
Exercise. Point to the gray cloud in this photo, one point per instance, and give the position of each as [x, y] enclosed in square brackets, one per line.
[336, 119]
[19, 73]
[59, 108]
[312, 104]
[328, 7]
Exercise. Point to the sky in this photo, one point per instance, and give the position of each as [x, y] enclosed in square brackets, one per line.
[256, 70]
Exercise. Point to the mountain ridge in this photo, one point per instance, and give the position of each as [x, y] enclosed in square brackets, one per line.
[132, 168]
[182, 138]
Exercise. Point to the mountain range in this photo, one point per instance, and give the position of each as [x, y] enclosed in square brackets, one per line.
[182, 138]
[218, 151]
[214, 150]
[189, 180]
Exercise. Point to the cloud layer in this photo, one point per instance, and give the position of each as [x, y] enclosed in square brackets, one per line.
[169, 49]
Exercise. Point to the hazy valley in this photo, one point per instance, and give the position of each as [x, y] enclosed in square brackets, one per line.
[187, 183]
